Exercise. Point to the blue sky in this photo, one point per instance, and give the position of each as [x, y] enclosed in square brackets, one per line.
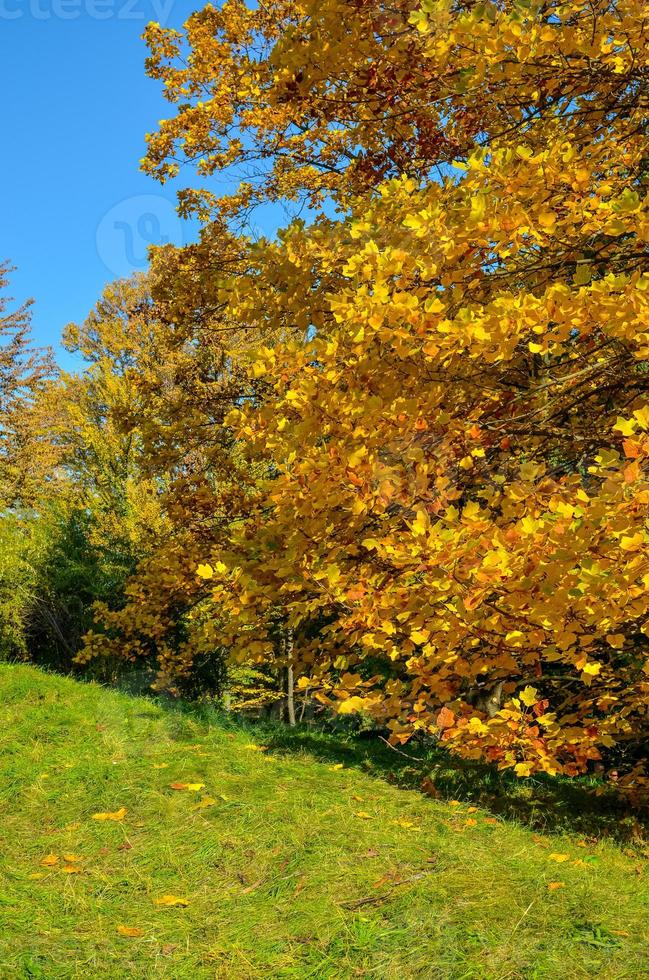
[75, 212]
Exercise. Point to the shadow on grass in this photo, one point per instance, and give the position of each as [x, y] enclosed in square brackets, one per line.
[581, 806]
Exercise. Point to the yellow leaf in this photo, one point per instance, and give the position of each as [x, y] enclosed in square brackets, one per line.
[632, 543]
[131, 931]
[362, 815]
[72, 858]
[160, 765]
[49, 860]
[559, 858]
[547, 220]
[553, 885]
[171, 900]
[71, 869]
[117, 815]
[338, 765]
[529, 696]
[204, 803]
[205, 571]
[193, 787]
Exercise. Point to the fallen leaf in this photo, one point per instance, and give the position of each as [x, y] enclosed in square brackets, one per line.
[386, 877]
[72, 826]
[338, 765]
[300, 885]
[620, 932]
[559, 858]
[72, 858]
[362, 815]
[454, 803]
[170, 900]
[130, 931]
[104, 850]
[49, 860]
[359, 799]
[470, 822]
[71, 869]
[406, 824]
[168, 949]
[251, 888]
[160, 765]
[491, 820]
[371, 853]
[117, 815]
[204, 803]
[194, 787]
[126, 846]
[35, 875]
[553, 885]
[472, 809]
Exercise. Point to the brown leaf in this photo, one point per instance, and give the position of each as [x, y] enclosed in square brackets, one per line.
[168, 949]
[126, 846]
[251, 888]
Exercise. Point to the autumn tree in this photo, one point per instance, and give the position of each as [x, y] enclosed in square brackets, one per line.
[455, 522]
[164, 370]
[25, 457]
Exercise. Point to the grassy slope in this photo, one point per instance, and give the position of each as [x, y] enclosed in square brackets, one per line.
[268, 868]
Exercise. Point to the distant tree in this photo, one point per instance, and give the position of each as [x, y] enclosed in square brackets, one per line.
[25, 450]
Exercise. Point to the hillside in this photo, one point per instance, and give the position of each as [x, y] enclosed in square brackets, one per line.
[214, 856]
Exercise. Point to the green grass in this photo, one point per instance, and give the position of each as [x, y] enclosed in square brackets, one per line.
[283, 877]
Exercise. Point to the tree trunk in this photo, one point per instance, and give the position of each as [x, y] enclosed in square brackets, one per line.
[290, 692]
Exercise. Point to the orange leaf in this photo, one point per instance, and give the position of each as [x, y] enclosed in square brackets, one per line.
[445, 718]
[553, 885]
[49, 860]
[251, 888]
